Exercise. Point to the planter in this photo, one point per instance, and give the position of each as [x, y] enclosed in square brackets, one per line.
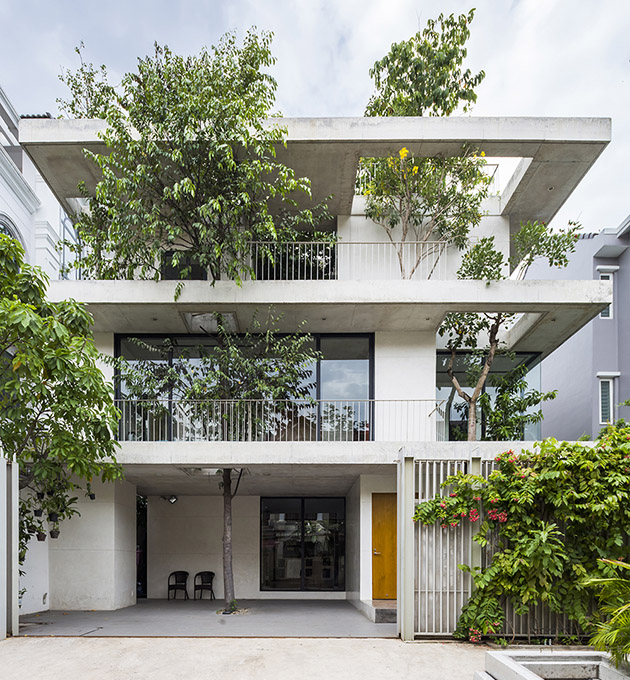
[40, 495]
[92, 496]
[38, 513]
[530, 665]
[54, 533]
[41, 536]
[53, 517]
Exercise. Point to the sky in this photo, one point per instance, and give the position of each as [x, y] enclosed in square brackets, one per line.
[541, 58]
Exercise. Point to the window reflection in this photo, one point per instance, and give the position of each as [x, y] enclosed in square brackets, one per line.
[303, 544]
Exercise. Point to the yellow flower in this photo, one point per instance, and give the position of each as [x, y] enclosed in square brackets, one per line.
[403, 153]
[415, 170]
[483, 153]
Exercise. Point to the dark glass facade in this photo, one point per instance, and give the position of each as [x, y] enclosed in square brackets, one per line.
[303, 544]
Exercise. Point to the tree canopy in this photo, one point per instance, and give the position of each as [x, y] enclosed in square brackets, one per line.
[424, 75]
[190, 176]
[57, 416]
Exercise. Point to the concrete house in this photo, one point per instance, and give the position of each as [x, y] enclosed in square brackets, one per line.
[589, 397]
[324, 507]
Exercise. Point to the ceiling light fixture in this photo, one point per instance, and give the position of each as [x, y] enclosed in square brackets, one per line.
[171, 499]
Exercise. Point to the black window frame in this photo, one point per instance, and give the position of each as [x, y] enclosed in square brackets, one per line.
[302, 589]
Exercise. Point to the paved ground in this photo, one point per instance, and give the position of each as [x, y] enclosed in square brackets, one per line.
[199, 618]
[237, 659]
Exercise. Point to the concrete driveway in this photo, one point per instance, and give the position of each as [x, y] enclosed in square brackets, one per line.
[199, 618]
[236, 658]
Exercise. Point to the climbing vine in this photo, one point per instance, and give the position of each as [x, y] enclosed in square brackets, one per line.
[547, 518]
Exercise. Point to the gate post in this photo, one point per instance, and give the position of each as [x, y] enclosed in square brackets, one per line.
[406, 547]
[9, 530]
[475, 553]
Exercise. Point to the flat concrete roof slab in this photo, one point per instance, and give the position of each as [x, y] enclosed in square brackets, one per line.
[552, 310]
[327, 151]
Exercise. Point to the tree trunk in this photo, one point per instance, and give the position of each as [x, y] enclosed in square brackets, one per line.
[472, 420]
[228, 574]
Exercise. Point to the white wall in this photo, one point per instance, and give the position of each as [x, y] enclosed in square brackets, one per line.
[404, 369]
[93, 562]
[35, 578]
[188, 536]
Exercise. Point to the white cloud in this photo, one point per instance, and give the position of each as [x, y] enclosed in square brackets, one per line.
[541, 57]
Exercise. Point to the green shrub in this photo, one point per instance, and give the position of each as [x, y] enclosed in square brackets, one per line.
[613, 634]
[553, 514]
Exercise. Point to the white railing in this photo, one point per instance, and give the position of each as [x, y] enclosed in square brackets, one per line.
[319, 261]
[260, 420]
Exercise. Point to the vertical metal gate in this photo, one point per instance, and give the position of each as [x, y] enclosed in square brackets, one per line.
[440, 587]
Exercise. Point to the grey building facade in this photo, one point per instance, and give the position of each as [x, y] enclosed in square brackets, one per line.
[591, 370]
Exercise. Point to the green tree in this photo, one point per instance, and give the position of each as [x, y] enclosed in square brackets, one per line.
[480, 334]
[420, 200]
[424, 75]
[57, 416]
[513, 405]
[190, 176]
[242, 386]
[547, 518]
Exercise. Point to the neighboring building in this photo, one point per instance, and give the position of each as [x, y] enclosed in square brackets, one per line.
[316, 493]
[591, 371]
[29, 212]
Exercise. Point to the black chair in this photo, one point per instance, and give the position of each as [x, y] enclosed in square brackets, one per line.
[177, 580]
[203, 581]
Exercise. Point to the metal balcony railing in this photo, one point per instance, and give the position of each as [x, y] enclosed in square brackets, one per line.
[319, 261]
[261, 420]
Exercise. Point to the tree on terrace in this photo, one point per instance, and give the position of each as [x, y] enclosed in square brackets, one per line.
[57, 416]
[479, 335]
[424, 199]
[190, 176]
[242, 385]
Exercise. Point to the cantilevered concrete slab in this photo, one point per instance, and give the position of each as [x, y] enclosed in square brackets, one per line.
[552, 310]
[557, 153]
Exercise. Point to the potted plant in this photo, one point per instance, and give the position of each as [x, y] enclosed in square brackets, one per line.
[54, 532]
[41, 535]
[88, 491]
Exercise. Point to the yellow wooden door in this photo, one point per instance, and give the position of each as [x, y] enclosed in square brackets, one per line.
[384, 546]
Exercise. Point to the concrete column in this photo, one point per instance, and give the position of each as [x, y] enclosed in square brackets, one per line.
[9, 531]
[13, 567]
[475, 557]
[93, 562]
[406, 547]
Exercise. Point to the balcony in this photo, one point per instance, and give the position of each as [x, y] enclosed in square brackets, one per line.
[322, 261]
[260, 420]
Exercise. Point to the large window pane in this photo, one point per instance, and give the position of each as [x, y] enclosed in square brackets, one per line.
[324, 543]
[302, 544]
[281, 552]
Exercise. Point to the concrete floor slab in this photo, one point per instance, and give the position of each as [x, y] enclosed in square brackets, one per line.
[238, 659]
[199, 618]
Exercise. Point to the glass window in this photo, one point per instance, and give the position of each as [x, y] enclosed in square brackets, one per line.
[605, 401]
[606, 313]
[302, 544]
[455, 410]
